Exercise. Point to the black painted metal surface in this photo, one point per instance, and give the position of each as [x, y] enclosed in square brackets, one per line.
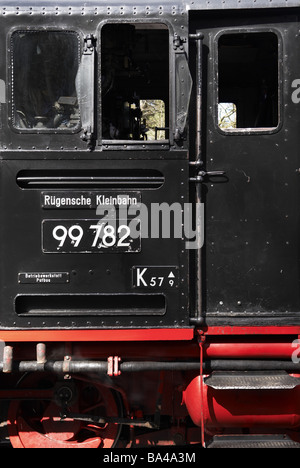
[250, 261]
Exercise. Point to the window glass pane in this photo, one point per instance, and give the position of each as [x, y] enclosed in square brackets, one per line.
[154, 117]
[135, 81]
[45, 66]
[248, 77]
[227, 115]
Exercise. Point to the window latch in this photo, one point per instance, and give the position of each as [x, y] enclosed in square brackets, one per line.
[202, 175]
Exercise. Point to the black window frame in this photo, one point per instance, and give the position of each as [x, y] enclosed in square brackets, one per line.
[11, 114]
[248, 130]
[136, 144]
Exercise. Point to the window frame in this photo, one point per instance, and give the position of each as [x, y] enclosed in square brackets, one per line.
[11, 113]
[248, 130]
[138, 144]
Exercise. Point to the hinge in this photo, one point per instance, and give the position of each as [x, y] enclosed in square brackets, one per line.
[89, 44]
[87, 135]
[87, 89]
[178, 43]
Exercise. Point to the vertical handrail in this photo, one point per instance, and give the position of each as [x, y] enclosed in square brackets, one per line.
[198, 37]
[199, 86]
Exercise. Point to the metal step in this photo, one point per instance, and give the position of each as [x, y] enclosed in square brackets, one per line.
[251, 380]
[252, 441]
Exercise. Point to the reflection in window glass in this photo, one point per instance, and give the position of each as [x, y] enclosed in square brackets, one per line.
[227, 117]
[45, 66]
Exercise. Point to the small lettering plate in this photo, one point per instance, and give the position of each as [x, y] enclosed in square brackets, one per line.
[43, 278]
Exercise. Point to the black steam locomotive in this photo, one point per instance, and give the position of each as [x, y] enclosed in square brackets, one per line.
[149, 230]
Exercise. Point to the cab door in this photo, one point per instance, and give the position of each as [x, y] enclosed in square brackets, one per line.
[250, 130]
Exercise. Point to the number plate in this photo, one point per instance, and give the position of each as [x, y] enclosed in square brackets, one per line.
[152, 277]
[91, 236]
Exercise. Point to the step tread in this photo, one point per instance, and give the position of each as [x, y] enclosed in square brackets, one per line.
[253, 441]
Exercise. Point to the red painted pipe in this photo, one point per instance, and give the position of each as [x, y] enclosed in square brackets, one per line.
[242, 408]
[173, 350]
[252, 350]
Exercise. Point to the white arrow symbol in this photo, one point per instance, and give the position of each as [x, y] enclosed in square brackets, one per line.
[171, 275]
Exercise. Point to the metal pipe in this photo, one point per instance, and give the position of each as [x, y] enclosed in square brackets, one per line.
[7, 359]
[250, 350]
[212, 365]
[137, 366]
[198, 319]
[60, 367]
[158, 366]
[41, 352]
[198, 37]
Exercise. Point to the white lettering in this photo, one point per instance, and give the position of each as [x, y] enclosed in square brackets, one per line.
[57, 202]
[296, 93]
[295, 354]
[171, 457]
[139, 277]
[116, 200]
[120, 458]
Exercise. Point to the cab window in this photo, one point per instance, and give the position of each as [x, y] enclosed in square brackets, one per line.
[45, 66]
[135, 82]
[248, 81]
